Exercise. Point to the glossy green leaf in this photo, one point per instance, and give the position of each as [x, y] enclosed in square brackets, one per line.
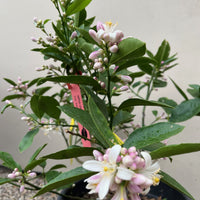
[152, 134]
[147, 68]
[169, 102]
[141, 102]
[185, 110]
[101, 123]
[128, 48]
[175, 149]
[50, 175]
[84, 80]
[122, 117]
[194, 90]
[180, 90]
[5, 107]
[33, 164]
[174, 184]
[36, 153]
[13, 96]
[65, 178]
[55, 53]
[33, 82]
[59, 166]
[76, 6]
[87, 47]
[10, 81]
[27, 140]
[8, 161]
[159, 83]
[34, 103]
[99, 102]
[85, 119]
[163, 52]
[49, 105]
[71, 152]
[42, 90]
[136, 75]
[59, 33]
[80, 17]
[5, 180]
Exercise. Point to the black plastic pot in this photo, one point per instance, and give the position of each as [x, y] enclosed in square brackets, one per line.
[162, 190]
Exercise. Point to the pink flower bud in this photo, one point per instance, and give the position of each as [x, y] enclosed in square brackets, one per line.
[35, 19]
[94, 55]
[123, 88]
[97, 153]
[11, 176]
[32, 174]
[126, 79]
[34, 39]
[119, 159]
[138, 179]
[8, 102]
[118, 35]
[124, 151]
[117, 180]
[74, 35]
[93, 34]
[100, 26]
[103, 85]
[106, 37]
[105, 60]
[114, 48]
[97, 65]
[105, 157]
[18, 173]
[21, 189]
[132, 150]
[133, 166]
[127, 160]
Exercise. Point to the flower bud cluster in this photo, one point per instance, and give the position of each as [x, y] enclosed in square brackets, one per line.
[130, 172]
[28, 120]
[16, 174]
[19, 88]
[50, 127]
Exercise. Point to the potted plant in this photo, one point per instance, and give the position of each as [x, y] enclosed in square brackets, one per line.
[91, 69]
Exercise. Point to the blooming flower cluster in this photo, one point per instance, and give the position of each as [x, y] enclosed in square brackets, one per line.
[123, 171]
[16, 174]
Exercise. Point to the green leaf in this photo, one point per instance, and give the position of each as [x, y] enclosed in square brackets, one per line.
[60, 34]
[180, 90]
[169, 102]
[185, 110]
[76, 6]
[136, 74]
[101, 123]
[99, 102]
[49, 105]
[10, 81]
[28, 139]
[13, 96]
[195, 91]
[50, 175]
[122, 117]
[128, 48]
[174, 184]
[84, 118]
[58, 166]
[71, 152]
[85, 46]
[141, 102]
[159, 83]
[42, 90]
[65, 178]
[5, 180]
[147, 68]
[34, 164]
[5, 107]
[84, 80]
[175, 149]
[55, 53]
[33, 82]
[163, 52]
[148, 135]
[34, 103]
[36, 153]
[9, 161]
[80, 17]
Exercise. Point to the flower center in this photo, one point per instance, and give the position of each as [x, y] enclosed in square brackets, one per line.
[109, 24]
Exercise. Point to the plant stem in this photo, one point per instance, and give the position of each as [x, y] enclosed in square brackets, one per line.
[63, 134]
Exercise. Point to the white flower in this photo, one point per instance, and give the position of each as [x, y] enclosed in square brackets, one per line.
[120, 193]
[106, 169]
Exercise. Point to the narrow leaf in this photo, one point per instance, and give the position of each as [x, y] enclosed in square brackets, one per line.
[175, 149]
[5, 180]
[13, 96]
[141, 102]
[169, 102]
[10, 81]
[152, 134]
[28, 139]
[174, 184]
[34, 164]
[65, 178]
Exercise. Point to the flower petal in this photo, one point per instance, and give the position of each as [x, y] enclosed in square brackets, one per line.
[113, 154]
[125, 174]
[147, 158]
[104, 186]
[93, 165]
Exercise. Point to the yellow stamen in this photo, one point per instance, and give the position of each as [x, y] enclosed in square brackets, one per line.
[156, 180]
[109, 24]
[105, 169]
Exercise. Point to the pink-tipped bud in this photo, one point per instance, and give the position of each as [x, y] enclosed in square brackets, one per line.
[8, 102]
[105, 157]
[32, 174]
[162, 62]
[97, 153]
[18, 173]
[118, 180]
[132, 150]
[118, 35]
[16, 170]
[106, 37]
[97, 65]
[133, 166]
[139, 179]
[124, 151]
[25, 118]
[119, 159]
[11, 176]
[103, 85]
[94, 55]
[100, 26]
[133, 154]
[35, 19]
[127, 160]
[93, 34]
[101, 69]
[105, 60]
[126, 79]
[74, 35]
[114, 48]
[34, 39]
[123, 88]
[21, 189]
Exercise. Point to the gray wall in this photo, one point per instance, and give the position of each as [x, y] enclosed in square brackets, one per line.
[149, 20]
